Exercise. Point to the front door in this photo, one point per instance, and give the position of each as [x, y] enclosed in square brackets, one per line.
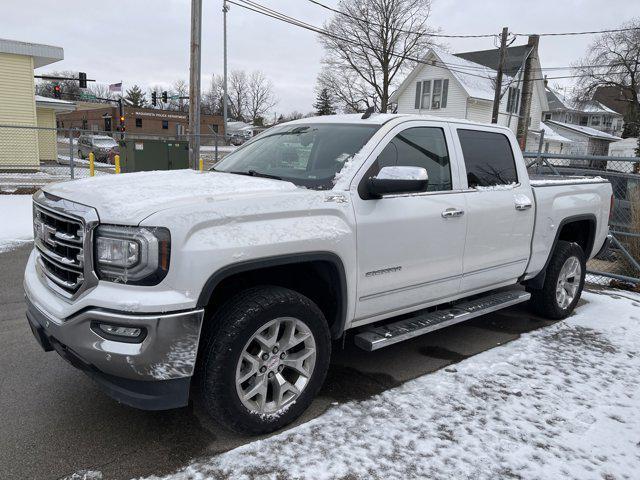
[499, 209]
[410, 246]
[107, 124]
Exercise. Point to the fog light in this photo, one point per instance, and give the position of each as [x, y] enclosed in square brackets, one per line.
[127, 332]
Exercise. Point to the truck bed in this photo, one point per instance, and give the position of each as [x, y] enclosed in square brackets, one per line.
[559, 198]
[549, 180]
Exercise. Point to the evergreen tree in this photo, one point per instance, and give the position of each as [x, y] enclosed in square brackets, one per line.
[324, 103]
[135, 97]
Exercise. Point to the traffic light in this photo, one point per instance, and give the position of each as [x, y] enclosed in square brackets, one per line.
[164, 97]
[154, 98]
[57, 91]
[82, 78]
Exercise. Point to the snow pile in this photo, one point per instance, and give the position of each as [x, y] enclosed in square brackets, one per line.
[16, 226]
[560, 402]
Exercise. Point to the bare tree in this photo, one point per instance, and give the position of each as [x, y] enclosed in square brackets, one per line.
[372, 44]
[99, 90]
[213, 97]
[179, 90]
[614, 61]
[351, 94]
[260, 96]
[237, 90]
[70, 89]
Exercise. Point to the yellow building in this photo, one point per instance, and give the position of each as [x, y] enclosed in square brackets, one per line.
[20, 147]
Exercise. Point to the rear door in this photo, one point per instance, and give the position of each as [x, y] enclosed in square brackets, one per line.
[500, 211]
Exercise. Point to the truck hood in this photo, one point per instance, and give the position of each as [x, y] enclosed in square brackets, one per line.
[129, 198]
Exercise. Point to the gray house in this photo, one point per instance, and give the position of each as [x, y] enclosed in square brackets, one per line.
[584, 140]
[591, 114]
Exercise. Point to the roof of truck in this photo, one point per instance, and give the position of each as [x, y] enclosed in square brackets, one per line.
[382, 118]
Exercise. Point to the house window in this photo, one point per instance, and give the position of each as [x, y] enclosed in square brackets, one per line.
[513, 100]
[165, 124]
[595, 120]
[138, 123]
[432, 94]
[584, 120]
[608, 121]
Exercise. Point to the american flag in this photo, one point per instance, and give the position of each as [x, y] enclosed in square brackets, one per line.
[115, 87]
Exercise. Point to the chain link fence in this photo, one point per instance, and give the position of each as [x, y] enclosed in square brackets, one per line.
[620, 265]
[31, 157]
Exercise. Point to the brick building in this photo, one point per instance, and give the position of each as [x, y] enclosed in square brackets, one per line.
[146, 121]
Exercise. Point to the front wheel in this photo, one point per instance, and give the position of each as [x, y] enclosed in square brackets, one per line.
[264, 360]
[563, 283]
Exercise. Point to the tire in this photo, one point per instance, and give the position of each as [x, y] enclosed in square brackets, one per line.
[548, 301]
[258, 313]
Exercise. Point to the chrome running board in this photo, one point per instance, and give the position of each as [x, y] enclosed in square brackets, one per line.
[374, 338]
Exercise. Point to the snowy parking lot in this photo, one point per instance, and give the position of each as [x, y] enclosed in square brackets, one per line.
[560, 402]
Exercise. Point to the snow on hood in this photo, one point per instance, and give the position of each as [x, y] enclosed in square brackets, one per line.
[131, 197]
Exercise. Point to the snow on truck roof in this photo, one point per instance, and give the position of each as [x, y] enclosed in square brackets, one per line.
[383, 118]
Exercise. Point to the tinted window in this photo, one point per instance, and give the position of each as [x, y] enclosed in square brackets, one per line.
[488, 158]
[423, 147]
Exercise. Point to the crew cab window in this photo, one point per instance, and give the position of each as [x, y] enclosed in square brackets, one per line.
[488, 158]
[424, 147]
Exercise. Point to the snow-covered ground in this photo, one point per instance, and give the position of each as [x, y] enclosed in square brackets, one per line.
[560, 402]
[15, 221]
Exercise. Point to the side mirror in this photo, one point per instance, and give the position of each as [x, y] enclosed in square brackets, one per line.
[394, 180]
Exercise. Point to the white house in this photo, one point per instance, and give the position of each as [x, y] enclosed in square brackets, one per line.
[552, 142]
[462, 85]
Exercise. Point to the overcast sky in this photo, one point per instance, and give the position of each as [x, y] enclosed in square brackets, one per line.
[147, 42]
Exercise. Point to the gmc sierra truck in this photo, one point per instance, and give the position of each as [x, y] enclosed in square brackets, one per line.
[233, 284]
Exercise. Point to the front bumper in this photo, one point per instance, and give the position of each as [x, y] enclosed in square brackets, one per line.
[154, 374]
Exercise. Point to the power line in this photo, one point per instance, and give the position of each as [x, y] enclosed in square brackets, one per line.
[590, 32]
[487, 35]
[262, 10]
[435, 35]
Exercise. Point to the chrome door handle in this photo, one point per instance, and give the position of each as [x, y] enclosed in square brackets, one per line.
[523, 206]
[452, 212]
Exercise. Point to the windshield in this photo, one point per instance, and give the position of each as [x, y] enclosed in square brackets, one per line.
[308, 155]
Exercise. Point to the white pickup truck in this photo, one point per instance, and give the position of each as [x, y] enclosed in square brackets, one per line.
[239, 280]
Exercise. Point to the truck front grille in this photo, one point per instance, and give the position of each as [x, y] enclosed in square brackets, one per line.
[60, 241]
[63, 236]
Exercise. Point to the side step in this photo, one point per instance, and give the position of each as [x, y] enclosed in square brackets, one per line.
[374, 338]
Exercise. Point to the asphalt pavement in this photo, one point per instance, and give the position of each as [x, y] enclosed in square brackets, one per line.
[55, 422]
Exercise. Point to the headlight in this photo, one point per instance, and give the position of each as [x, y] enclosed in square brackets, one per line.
[138, 256]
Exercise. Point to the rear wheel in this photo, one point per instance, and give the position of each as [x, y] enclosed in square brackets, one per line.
[265, 359]
[563, 283]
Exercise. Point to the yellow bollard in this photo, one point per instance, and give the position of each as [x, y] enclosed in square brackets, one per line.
[116, 160]
[201, 165]
[91, 164]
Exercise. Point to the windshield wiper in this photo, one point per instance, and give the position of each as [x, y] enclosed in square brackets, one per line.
[253, 173]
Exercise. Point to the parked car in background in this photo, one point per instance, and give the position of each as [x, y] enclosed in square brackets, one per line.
[104, 148]
[237, 139]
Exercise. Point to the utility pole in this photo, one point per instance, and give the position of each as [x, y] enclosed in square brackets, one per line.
[498, 93]
[527, 91]
[194, 83]
[225, 9]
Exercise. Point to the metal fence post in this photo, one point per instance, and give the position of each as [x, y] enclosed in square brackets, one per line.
[216, 149]
[71, 162]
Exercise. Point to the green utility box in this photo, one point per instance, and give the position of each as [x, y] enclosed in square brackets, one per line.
[142, 155]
